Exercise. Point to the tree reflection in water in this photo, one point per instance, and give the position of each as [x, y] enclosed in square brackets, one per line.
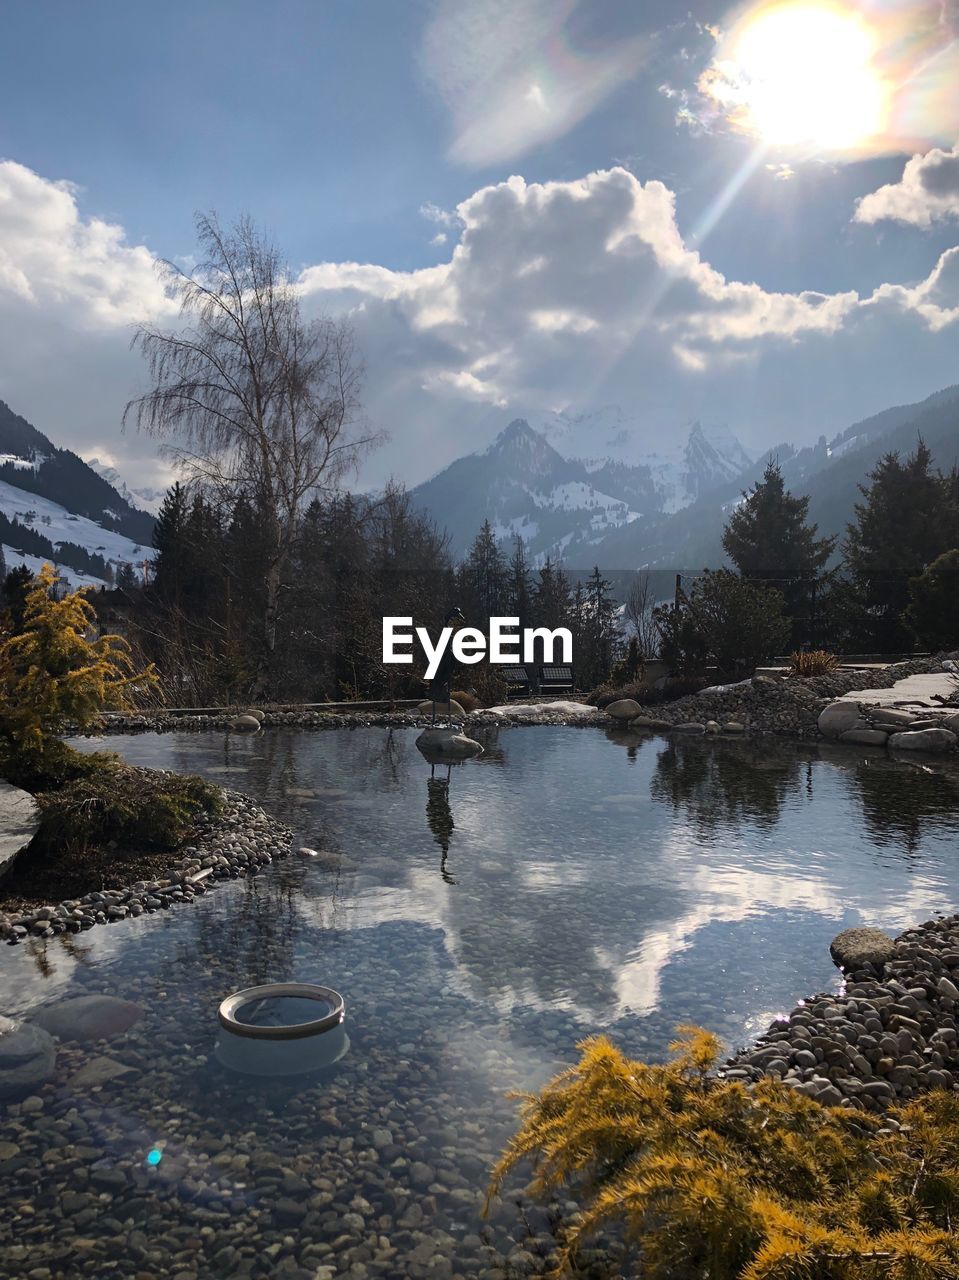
[902, 799]
[722, 784]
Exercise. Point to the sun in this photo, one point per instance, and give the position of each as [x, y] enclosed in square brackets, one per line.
[801, 73]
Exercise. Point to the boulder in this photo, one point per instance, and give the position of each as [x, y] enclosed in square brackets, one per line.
[733, 726]
[88, 1017]
[443, 745]
[650, 722]
[245, 724]
[854, 948]
[624, 709]
[256, 713]
[19, 820]
[924, 740]
[689, 727]
[712, 726]
[27, 1057]
[839, 717]
[951, 723]
[451, 708]
[865, 737]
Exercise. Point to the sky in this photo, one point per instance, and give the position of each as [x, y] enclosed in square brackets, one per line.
[747, 216]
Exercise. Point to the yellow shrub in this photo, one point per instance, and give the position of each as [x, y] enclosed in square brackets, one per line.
[714, 1181]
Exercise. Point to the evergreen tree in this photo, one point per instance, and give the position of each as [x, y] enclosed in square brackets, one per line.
[483, 579]
[908, 518]
[170, 566]
[16, 587]
[520, 584]
[126, 579]
[552, 597]
[768, 538]
[3, 566]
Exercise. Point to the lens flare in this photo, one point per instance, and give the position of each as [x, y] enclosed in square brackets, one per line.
[836, 77]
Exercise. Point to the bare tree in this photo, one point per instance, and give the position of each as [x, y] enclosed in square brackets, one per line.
[638, 614]
[251, 397]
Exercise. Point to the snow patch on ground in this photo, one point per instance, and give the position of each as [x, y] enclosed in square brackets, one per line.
[59, 525]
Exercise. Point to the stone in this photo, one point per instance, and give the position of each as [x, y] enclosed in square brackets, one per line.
[245, 724]
[256, 713]
[649, 722]
[98, 1071]
[451, 708]
[838, 718]
[88, 1017]
[923, 740]
[733, 726]
[624, 709]
[689, 727]
[27, 1057]
[439, 745]
[865, 737]
[712, 726]
[19, 821]
[854, 948]
[889, 715]
[951, 723]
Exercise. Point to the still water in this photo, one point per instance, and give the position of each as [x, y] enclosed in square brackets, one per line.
[478, 925]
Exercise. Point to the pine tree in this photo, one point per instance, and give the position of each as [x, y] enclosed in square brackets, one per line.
[908, 518]
[483, 579]
[170, 542]
[768, 538]
[520, 584]
[552, 597]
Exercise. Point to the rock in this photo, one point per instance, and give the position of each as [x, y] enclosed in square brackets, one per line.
[689, 727]
[733, 726]
[305, 852]
[27, 1056]
[889, 715]
[451, 708]
[19, 820]
[712, 726]
[838, 718]
[256, 714]
[649, 722]
[88, 1017]
[624, 709]
[439, 745]
[865, 737]
[951, 723]
[924, 740]
[96, 1072]
[245, 724]
[854, 948]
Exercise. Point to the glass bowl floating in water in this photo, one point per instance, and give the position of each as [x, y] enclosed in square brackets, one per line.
[281, 1029]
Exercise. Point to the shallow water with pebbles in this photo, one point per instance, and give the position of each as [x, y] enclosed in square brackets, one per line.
[478, 925]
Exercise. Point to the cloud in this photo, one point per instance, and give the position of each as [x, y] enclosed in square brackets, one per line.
[553, 295]
[927, 192]
[511, 77]
[584, 293]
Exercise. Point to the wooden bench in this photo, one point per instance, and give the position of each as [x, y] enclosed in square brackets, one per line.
[556, 679]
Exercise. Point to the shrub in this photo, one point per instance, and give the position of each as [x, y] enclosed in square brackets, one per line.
[488, 685]
[816, 662]
[737, 623]
[466, 700]
[712, 1181]
[52, 675]
[934, 611]
[111, 803]
[630, 666]
[645, 694]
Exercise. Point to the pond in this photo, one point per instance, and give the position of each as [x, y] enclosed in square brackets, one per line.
[479, 925]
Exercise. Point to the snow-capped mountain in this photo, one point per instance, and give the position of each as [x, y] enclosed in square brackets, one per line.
[55, 508]
[146, 499]
[559, 503]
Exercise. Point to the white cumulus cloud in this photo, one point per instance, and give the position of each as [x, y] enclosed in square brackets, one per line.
[927, 192]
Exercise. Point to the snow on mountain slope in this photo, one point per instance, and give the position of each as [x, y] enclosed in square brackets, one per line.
[59, 525]
[146, 499]
[72, 577]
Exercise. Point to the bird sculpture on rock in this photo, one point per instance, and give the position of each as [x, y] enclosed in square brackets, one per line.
[441, 683]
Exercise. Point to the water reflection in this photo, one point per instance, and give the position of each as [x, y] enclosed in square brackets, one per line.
[724, 784]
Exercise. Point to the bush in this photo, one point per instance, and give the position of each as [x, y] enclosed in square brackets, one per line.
[817, 662]
[737, 623]
[647, 695]
[713, 1181]
[113, 804]
[466, 700]
[934, 611]
[487, 685]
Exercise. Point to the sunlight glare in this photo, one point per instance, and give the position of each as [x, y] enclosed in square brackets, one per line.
[802, 73]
